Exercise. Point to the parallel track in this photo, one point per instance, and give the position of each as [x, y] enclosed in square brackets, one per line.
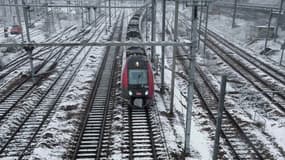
[92, 141]
[265, 87]
[142, 136]
[236, 135]
[30, 127]
[24, 87]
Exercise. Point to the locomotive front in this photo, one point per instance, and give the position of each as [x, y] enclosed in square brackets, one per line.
[138, 79]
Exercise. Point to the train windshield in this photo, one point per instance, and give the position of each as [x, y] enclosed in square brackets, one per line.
[137, 76]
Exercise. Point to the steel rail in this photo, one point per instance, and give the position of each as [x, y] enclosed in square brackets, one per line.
[184, 50]
[229, 116]
[23, 81]
[278, 75]
[99, 148]
[151, 136]
[104, 43]
[25, 56]
[131, 144]
[232, 120]
[91, 101]
[274, 73]
[65, 86]
[41, 99]
[251, 75]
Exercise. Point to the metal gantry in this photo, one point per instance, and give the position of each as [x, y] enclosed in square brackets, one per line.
[278, 19]
[163, 48]
[173, 56]
[31, 45]
[191, 74]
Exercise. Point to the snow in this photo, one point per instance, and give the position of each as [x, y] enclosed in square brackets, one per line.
[54, 141]
[65, 121]
[56, 137]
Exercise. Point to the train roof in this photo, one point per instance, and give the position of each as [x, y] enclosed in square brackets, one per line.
[135, 50]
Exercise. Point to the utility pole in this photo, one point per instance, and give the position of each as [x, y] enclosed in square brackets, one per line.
[4, 13]
[146, 22]
[282, 54]
[105, 10]
[82, 15]
[19, 19]
[200, 24]
[174, 56]
[115, 4]
[220, 115]
[95, 17]
[192, 58]
[89, 16]
[278, 20]
[47, 17]
[163, 47]
[29, 49]
[25, 11]
[52, 20]
[11, 12]
[110, 16]
[268, 29]
[206, 33]
[153, 28]
[234, 15]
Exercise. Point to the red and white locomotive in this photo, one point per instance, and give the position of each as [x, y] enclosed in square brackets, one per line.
[137, 76]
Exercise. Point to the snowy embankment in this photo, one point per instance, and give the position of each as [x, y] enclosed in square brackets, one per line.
[59, 133]
[253, 105]
[242, 36]
[174, 126]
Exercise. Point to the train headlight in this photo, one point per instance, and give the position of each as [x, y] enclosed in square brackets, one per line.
[130, 93]
[146, 93]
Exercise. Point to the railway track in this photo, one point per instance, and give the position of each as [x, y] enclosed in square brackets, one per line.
[236, 133]
[272, 91]
[260, 84]
[93, 137]
[23, 56]
[44, 52]
[10, 101]
[141, 134]
[24, 87]
[266, 68]
[19, 143]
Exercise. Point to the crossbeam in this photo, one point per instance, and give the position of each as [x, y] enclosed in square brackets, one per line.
[248, 6]
[106, 43]
[69, 6]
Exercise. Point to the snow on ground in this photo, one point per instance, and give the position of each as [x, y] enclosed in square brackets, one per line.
[60, 131]
[239, 35]
[243, 36]
[174, 126]
[59, 134]
[66, 119]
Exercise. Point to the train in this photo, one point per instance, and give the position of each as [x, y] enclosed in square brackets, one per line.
[137, 75]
